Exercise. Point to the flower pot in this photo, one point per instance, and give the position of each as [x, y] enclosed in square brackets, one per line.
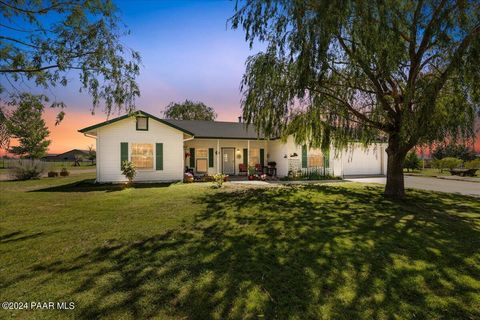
[250, 177]
[64, 173]
[188, 178]
[52, 174]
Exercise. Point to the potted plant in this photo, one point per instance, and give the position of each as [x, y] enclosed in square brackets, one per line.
[188, 177]
[52, 174]
[251, 173]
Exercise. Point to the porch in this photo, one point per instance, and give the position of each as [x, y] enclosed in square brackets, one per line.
[228, 156]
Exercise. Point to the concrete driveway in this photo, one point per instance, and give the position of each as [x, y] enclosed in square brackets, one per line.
[433, 184]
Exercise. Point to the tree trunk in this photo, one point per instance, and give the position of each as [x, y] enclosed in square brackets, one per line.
[395, 187]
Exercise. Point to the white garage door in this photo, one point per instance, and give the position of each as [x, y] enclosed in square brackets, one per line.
[362, 162]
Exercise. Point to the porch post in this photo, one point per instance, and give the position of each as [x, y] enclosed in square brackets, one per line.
[248, 154]
[266, 152]
[218, 155]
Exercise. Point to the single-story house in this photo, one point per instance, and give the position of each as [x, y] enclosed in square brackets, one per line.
[50, 157]
[163, 149]
[70, 155]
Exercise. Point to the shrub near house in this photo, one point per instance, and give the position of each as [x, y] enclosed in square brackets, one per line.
[25, 169]
[474, 164]
[412, 162]
[447, 163]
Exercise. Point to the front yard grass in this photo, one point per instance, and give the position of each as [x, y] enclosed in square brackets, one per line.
[430, 172]
[178, 251]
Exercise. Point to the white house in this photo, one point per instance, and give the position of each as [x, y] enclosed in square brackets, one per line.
[163, 149]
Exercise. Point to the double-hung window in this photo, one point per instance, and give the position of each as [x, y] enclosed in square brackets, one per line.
[142, 155]
[254, 157]
[315, 158]
[201, 155]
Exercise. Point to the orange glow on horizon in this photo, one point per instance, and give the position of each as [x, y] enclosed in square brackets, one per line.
[65, 136]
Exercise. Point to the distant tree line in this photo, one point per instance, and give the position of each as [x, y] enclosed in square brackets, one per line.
[189, 110]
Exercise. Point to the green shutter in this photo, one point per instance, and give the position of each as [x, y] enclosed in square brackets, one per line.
[326, 159]
[210, 157]
[192, 157]
[123, 153]
[159, 156]
[245, 156]
[304, 157]
[262, 156]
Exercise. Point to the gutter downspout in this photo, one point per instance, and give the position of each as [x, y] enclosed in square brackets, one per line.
[89, 136]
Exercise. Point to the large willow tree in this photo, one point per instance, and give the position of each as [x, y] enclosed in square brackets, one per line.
[341, 71]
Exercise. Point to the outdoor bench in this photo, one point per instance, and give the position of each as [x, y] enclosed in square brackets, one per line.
[463, 172]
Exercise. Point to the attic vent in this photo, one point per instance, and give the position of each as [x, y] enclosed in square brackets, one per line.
[142, 123]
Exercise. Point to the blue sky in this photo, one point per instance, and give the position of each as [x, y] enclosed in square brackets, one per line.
[188, 52]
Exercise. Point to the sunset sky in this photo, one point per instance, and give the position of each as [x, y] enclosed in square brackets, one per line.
[188, 52]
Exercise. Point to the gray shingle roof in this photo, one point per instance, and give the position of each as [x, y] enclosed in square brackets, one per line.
[197, 128]
[217, 129]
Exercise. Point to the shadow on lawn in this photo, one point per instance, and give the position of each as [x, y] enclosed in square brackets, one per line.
[18, 236]
[301, 252]
[89, 185]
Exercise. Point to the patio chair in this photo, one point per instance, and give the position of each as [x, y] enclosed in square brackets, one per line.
[242, 168]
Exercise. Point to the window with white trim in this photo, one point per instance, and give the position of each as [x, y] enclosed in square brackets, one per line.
[142, 155]
[315, 158]
[254, 157]
[201, 153]
[201, 160]
[142, 123]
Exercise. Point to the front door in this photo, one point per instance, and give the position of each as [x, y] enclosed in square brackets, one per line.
[228, 160]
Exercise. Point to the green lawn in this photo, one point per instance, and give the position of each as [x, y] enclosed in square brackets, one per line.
[428, 172]
[192, 252]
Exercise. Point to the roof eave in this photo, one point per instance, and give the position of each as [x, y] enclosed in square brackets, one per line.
[136, 113]
[235, 138]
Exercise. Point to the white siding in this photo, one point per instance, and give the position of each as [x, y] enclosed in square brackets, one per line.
[108, 150]
[281, 152]
[358, 160]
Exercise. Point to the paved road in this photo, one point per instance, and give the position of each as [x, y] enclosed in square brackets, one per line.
[443, 185]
